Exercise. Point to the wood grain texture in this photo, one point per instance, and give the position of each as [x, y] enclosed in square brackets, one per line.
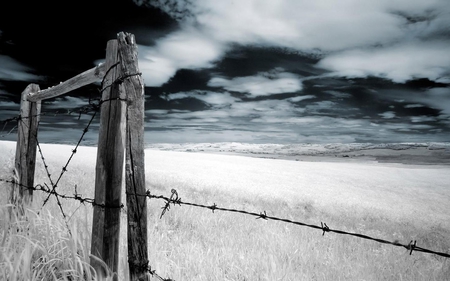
[26, 147]
[90, 76]
[134, 163]
[109, 166]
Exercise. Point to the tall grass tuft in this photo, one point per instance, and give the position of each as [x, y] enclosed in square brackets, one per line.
[40, 247]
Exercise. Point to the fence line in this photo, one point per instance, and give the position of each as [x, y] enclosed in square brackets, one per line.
[144, 265]
[91, 107]
[174, 199]
[121, 129]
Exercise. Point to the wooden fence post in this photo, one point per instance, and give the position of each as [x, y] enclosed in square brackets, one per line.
[109, 167]
[25, 160]
[134, 163]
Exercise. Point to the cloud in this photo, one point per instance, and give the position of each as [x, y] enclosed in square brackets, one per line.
[234, 115]
[323, 24]
[338, 94]
[270, 122]
[397, 40]
[192, 118]
[290, 120]
[4, 95]
[301, 98]
[256, 109]
[413, 105]
[68, 103]
[262, 84]
[399, 62]
[212, 98]
[8, 104]
[187, 48]
[416, 119]
[387, 114]
[437, 98]
[317, 107]
[15, 71]
[157, 111]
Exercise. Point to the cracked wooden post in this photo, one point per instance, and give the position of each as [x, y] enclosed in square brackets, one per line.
[109, 168]
[25, 160]
[134, 163]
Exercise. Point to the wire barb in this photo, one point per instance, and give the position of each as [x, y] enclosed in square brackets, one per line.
[213, 207]
[325, 228]
[411, 247]
[262, 216]
[173, 199]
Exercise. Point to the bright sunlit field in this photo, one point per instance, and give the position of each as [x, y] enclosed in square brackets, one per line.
[387, 201]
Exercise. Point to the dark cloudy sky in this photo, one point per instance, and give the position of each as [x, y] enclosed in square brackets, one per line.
[258, 71]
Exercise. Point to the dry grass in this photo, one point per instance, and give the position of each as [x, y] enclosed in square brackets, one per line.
[190, 243]
[39, 247]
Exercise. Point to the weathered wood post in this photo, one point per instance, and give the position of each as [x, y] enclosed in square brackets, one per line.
[25, 160]
[134, 163]
[109, 167]
[89, 76]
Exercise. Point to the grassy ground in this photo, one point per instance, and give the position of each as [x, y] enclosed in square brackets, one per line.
[191, 243]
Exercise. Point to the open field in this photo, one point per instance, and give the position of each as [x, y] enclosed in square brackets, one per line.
[391, 201]
[404, 153]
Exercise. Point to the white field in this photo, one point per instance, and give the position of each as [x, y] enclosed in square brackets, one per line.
[404, 192]
[398, 194]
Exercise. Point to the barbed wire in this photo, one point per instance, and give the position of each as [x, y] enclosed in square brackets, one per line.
[95, 107]
[51, 190]
[92, 106]
[174, 199]
[85, 200]
[64, 168]
[76, 196]
[144, 266]
[19, 118]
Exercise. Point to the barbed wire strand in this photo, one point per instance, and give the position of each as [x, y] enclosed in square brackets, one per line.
[5, 122]
[45, 165]
[175, 200]
[83, 200]
[76, 196]
[96, 109]
[57, 199]
[64, 168]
